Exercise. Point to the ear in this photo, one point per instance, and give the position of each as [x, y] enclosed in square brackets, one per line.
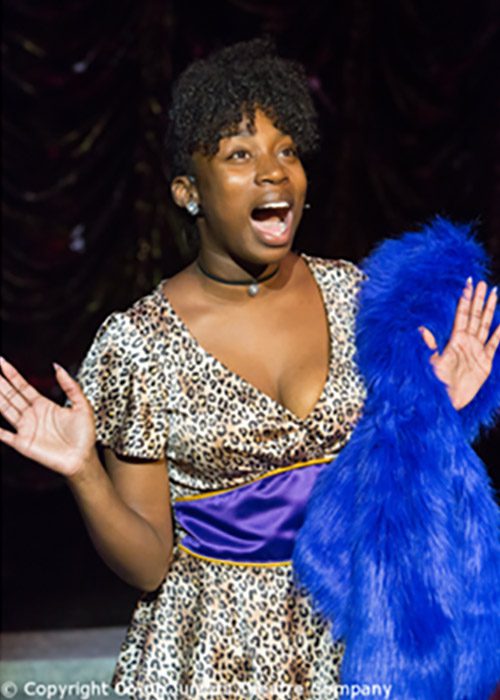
[184, 190]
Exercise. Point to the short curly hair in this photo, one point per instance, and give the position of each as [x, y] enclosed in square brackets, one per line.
[212, 95]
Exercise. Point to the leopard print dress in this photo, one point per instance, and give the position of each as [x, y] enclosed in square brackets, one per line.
[212, 630]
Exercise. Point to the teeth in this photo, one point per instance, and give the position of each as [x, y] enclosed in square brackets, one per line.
[274, 205]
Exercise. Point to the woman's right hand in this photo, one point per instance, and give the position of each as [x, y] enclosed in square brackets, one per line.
[62, 439]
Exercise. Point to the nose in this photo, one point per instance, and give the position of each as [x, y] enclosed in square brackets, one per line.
[270, 170]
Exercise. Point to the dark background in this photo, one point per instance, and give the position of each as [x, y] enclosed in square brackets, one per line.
[407, 93]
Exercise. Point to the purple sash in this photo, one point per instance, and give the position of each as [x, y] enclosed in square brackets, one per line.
[254, 524]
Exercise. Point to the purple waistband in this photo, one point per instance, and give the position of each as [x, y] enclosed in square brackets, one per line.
[256, 523]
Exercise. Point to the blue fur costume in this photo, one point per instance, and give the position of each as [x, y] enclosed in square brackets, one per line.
[400, 548]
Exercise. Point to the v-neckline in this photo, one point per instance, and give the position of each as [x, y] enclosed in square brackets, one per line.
[196, 343]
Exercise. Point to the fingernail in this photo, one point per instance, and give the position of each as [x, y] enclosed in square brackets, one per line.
[494, 290]
[469, 281]
[56, 366]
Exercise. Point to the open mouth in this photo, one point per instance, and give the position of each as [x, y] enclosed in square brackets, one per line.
[272, 217]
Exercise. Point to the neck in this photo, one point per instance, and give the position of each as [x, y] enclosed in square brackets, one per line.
[251, 284]
[232, 268]
[234, 278]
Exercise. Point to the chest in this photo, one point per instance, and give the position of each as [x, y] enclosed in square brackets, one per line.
[284, 352]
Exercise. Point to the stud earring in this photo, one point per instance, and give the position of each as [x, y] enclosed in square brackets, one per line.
[192, 207]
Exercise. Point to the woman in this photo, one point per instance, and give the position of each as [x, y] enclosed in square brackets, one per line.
[220, 394]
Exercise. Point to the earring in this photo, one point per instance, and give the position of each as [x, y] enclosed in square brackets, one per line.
[192, 207]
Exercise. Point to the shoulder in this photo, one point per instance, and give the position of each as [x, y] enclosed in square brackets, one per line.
[145, 315]
[334, 272]
[133, 331]
[126, 350]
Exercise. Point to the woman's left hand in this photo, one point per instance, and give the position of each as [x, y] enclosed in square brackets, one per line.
[466, 361]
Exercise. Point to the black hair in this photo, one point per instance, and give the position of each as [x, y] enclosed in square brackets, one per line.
[212, 95]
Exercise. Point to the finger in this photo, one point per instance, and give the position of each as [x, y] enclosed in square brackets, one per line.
[9, 412]
[14, 441]
[16, 379]
[487, 317]
[476, 309]
[463, 307]
[491, 346]
[428, 338]
[69, 385]
[12, 396]
[8, 437]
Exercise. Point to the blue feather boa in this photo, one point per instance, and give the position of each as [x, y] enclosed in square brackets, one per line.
[400, 547]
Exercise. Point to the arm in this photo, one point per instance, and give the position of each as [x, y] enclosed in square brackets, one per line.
[418, 279]
[127, 513]
[399, 546]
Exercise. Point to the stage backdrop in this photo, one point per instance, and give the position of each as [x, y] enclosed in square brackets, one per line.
[406, 92]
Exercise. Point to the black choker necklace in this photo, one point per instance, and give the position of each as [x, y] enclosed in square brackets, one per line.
[252, 284]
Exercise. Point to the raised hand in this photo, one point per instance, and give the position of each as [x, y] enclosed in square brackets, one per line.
[61, 439]
[466, 361]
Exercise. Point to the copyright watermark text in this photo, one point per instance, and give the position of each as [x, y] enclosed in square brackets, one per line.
[156, 691]
[58, 691]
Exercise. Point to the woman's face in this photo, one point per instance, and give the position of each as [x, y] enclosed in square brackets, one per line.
[251, 193]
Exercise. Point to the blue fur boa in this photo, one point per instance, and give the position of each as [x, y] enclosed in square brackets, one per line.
[400, 547]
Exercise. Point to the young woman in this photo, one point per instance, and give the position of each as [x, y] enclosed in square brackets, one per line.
[218, 397]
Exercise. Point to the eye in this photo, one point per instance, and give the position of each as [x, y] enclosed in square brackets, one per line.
[239, 154]
[290, 152]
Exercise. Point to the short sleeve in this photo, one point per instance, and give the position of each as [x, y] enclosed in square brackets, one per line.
[122, 378]
[355, 274]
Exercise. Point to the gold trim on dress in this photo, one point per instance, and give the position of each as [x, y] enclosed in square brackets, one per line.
[298, 465]
[232, 563]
